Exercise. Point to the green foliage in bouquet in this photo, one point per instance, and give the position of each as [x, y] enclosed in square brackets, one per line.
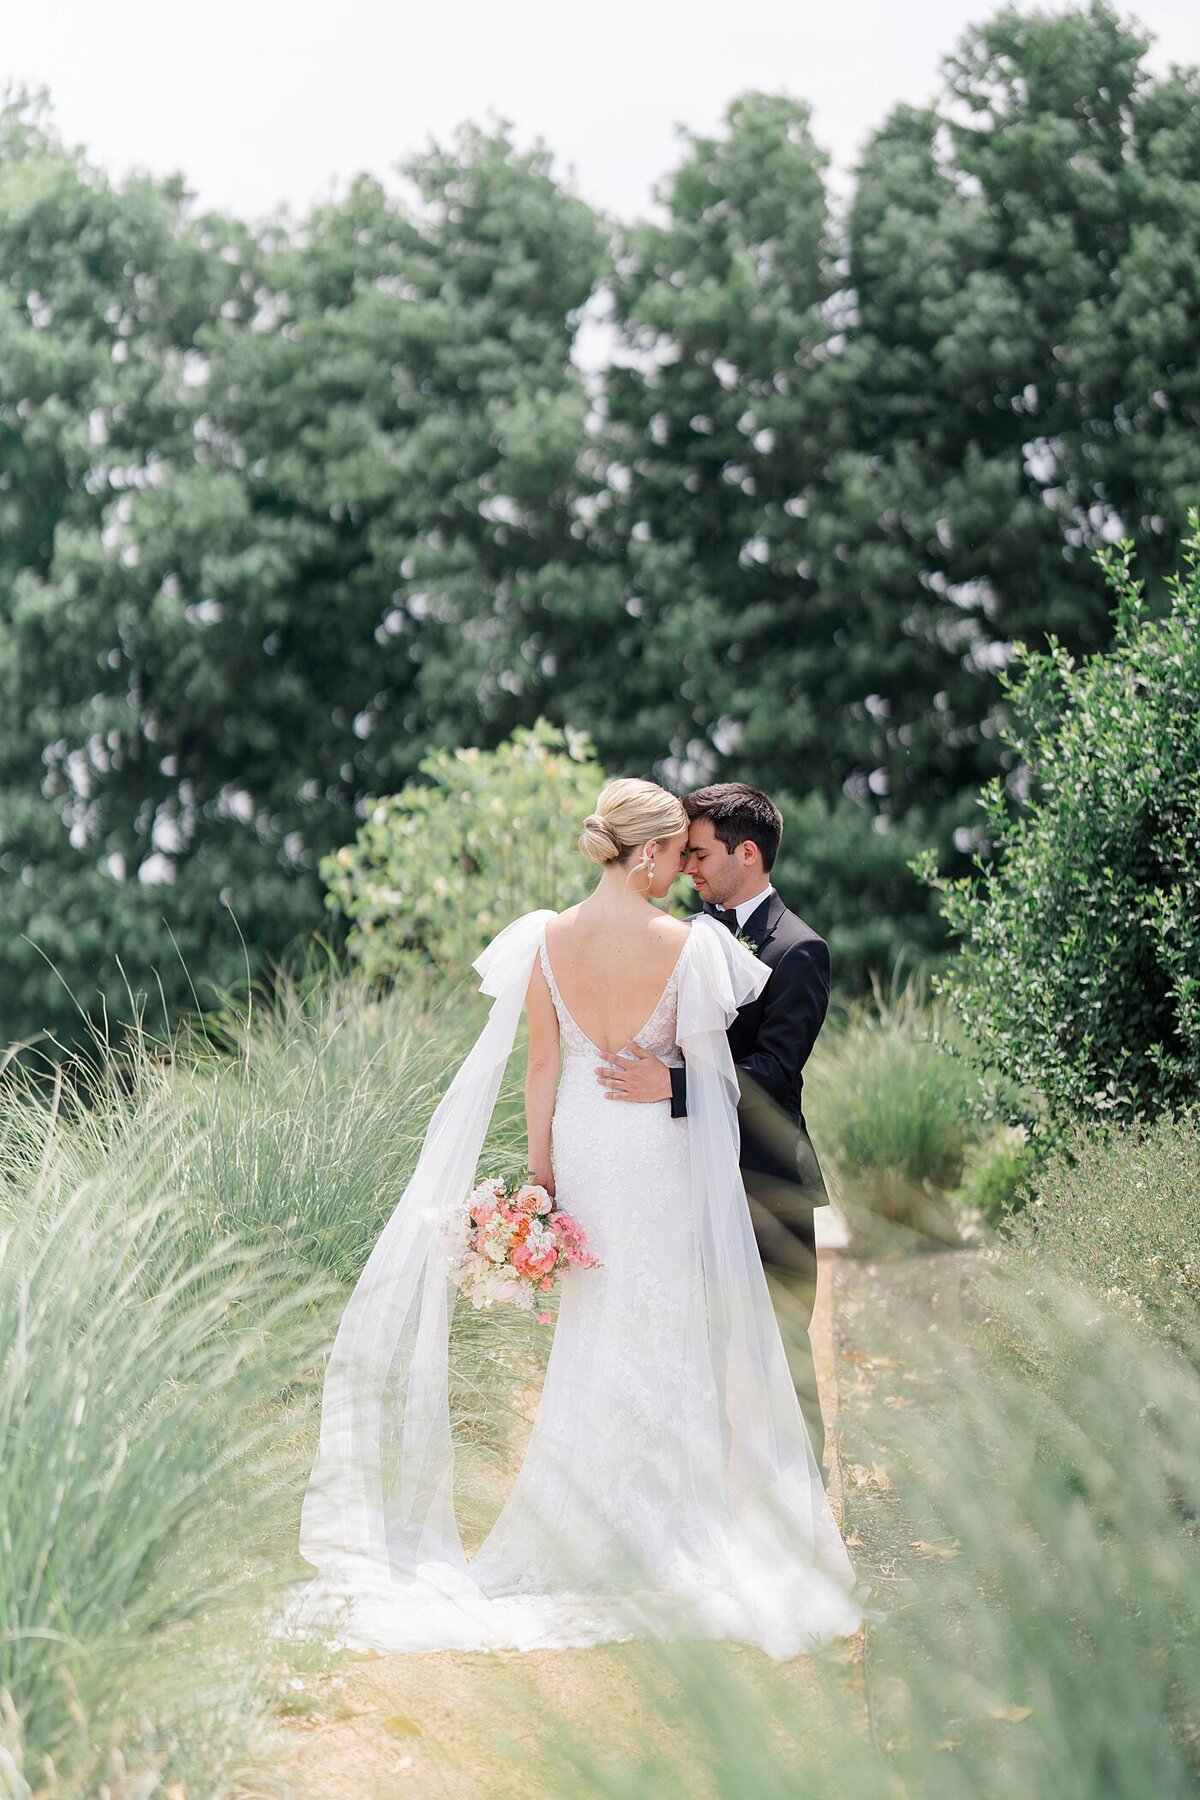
[438, 868]
[1079, 974]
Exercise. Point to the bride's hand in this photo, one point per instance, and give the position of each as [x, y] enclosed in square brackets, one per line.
[543, 1177]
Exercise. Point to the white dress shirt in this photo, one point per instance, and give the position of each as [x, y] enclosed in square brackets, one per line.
[746, 907]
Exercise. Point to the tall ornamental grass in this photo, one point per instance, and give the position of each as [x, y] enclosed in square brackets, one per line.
[304, 1109]
[308, 1120]
[893, 1115]
[180, 1222]
[310, 1117]
[1043, 1641]
[146, 1470]
[1032, 1535]
[1021, 1475]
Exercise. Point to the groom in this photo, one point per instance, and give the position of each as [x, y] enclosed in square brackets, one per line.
[732, 845]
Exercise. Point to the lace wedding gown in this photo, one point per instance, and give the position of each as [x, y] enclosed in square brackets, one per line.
[669, 1485]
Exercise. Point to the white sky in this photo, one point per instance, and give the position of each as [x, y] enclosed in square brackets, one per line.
[262, 102]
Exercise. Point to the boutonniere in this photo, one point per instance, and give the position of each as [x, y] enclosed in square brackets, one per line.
[739, 937]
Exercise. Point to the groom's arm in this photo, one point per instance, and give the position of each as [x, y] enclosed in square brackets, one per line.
[794, 1007]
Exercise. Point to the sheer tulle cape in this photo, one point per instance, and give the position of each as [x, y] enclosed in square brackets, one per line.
[378, 1520]
[786, 1581]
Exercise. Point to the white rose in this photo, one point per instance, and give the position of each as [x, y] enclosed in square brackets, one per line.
[502, 1284]
[456, 1234]
[540, 1239]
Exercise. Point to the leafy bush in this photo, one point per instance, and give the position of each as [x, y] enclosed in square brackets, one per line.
[893, 1113]
[1119, 1210]
[996, 1174]
[1080, 968]
[440, 867]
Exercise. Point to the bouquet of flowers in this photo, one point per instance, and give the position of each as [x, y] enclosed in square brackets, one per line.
[508, 1247]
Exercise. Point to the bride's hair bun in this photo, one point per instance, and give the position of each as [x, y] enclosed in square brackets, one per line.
[597, 841]
[629, 812]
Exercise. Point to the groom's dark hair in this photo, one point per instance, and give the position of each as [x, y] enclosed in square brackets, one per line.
[737, 813]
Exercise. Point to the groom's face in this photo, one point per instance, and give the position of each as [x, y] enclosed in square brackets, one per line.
[717, 873]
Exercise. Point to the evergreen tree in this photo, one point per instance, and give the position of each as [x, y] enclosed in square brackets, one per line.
[841, 492]
[106, 291]
[325, 472]
[750, 641]
[282, 510]
[716, 441]
[1022, 378]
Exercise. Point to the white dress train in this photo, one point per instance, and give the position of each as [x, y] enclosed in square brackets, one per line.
[669, 1486]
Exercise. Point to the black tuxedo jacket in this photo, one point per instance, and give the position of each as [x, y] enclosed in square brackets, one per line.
[771, 1040]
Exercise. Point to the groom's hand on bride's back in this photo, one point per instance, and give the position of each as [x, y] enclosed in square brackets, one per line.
[645, 1078]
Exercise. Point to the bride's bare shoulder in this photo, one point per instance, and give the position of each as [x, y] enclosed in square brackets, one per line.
[565, 919]
[582, 922]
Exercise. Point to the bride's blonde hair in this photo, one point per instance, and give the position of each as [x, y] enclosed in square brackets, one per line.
[629, 812]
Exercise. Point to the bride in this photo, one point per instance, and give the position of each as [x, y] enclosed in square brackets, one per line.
[669, 1486]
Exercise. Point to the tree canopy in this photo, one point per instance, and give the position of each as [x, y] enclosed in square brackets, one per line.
[287, 508]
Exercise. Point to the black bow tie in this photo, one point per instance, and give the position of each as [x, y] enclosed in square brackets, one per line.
[727, 918]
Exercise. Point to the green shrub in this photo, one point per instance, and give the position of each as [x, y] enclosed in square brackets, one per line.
[892, 1113]
[437, 869]
[1079, 973]
[996, 1174]
[1119, 1210]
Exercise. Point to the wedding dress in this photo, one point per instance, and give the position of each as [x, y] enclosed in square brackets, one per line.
[669, 1486]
